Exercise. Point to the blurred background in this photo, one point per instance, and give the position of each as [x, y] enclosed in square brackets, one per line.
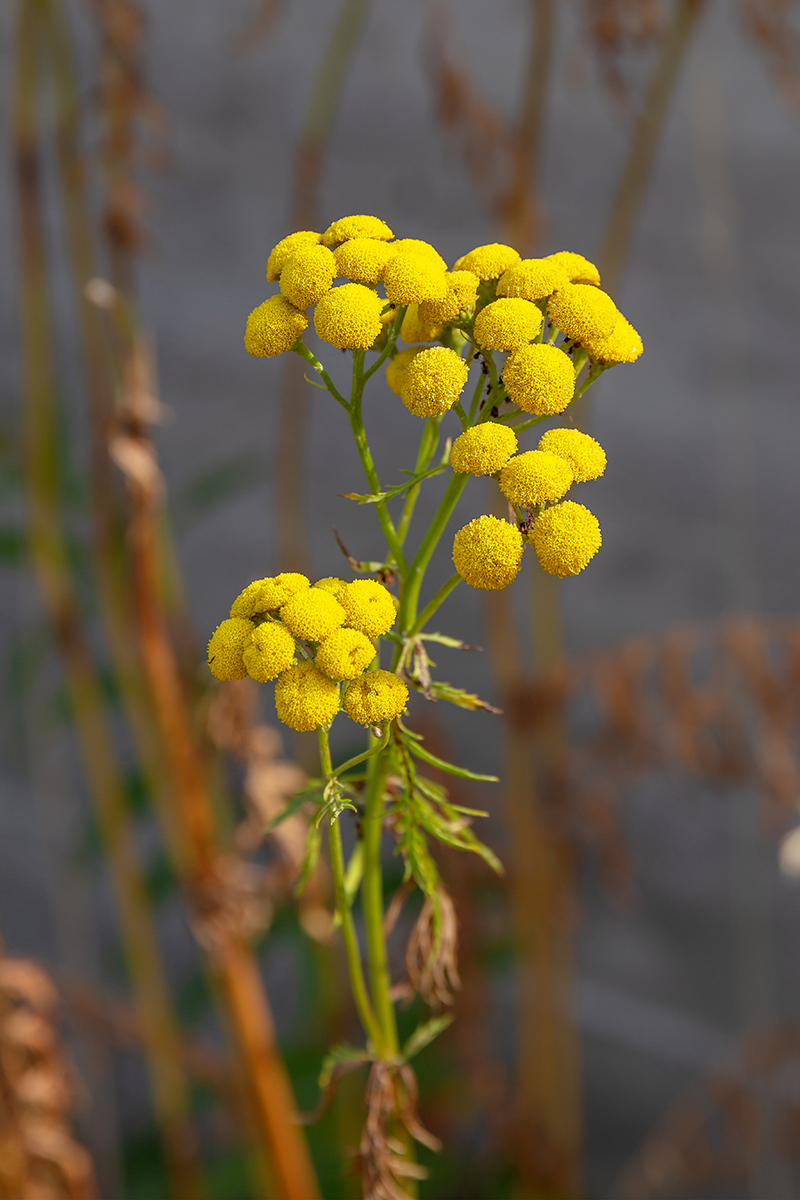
[629, 1020]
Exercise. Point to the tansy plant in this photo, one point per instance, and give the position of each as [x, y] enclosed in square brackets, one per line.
[535, 334]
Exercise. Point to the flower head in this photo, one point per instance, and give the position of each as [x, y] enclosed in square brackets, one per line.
[484, 449]
[532, 279]
[349, 316]
[540, 379]
[507, 324]
[586, 456]
[289, 245]
[433, 381]
[396, 368]
[331, 584]
[306, 699]
[225, 648]
[273, 327]
[415, 246]
[415, 329]
[369, 607]
[565, 538]
[411, 278]
[488, 262]
[376, 697]
[270, 650]
[578, 268]
[535, 477]
[312, 614]
[582, 311]
[362, 260]
[487, 553]
[307, 275]
[462, 292]
[345, 653]
[348, 228]
[265, 595]
[623, 345]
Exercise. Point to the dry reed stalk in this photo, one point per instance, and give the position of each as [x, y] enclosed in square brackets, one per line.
[293, 553]
[221, 926]
[51, 565]
[39, 1157]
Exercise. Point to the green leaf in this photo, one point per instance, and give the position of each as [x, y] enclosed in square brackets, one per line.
[461, 772]
[313, 845]
[424, 1034]
[313, 792]
[340, 1059]
[454, 695]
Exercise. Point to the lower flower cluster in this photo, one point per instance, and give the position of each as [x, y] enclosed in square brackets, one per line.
[317, 643]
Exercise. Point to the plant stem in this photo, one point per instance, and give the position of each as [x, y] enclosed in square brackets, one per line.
[365, 454]
[430, 608]
[427, 448]
[300, 348]
[391, 341]
[409, 595]
[372, 905]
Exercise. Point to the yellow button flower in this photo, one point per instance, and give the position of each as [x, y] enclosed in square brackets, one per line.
[582, 311]
[433, 381]
[270, 650]
[226, 646]
[369, 606]
[396, 368]
[535, 477]
[488, 262]
[483, 449]
[331, 584]
[349, 317]
[266, 595]
[578, 268]
[344, 654]
[273, 327]
[565, 538]
[376, 697]
[362, 260]
[624, 344]
[288, 246]
[348, 228]
[307, 275]
[415, 246]
[540, 379]
[507, 324]
[462, 291]
[487, 553]
[312, 614]
[305, 699]
[411, 278]
[532, 279]
[586, 456]
[414, 329]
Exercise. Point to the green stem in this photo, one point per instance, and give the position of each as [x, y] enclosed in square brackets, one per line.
[372, 902]
[409, 596]
[476, 397]
[389, 347]
[365, 454]
[427, 448]
[359, 758]
[351, 946]
[430, 608]
[300, 348]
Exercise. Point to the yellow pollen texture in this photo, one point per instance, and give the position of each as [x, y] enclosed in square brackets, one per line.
[305, 699]
[270, 650]
[433, 381]
[532, 279]
[507, 324]
[414, 329]
[265, 595]
[586, 456]
[535, 478]
[312, 614]
[396, 368]
[623, 345]
[412, 278]
[369, 607]
[415, 246]
[273, 327]
[565, 538]
[226, 646]
[345, 653]
[487, 553]
[462, 291]
[330, 584]
[488, 262]
[288, 246]
[540, 379]
[578, 268]
[347, 228]
[349, 317]
[582, 311]
[307, 275]
[376, 697]
[362, 260]
[483, 449]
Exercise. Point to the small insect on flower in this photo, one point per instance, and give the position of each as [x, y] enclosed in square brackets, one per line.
[369, 607]
[488, 262]
[375, 697]
[462, 292]
[312, 614]
[348, 228]
[507, 324]
[345, 653]
[535, 478]
[624, 345]
[349, 317]
[565, 538]
[226, 646]
[305, 699]
[487, 553]
[273, 327]
[285, 248]
[540, 379]
[582, 311]
[483, 449]
[578, 268]
[271, 649]
[396, 368]
[532, 279]
[586, 456]
[267, 595]
[307, 275]
[433, 381]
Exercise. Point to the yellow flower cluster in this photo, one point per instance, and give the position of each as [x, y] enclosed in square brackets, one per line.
[535, 478]
[507, 324]
[462, 291]
[307, 275]
[488, 262]
[483, 450]
[310, 640]
[416, 329]
[532, 279]
[565, 538]
[273, 327]
[487, 553]
[586, 456]
[432, 381]
[540, 379]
